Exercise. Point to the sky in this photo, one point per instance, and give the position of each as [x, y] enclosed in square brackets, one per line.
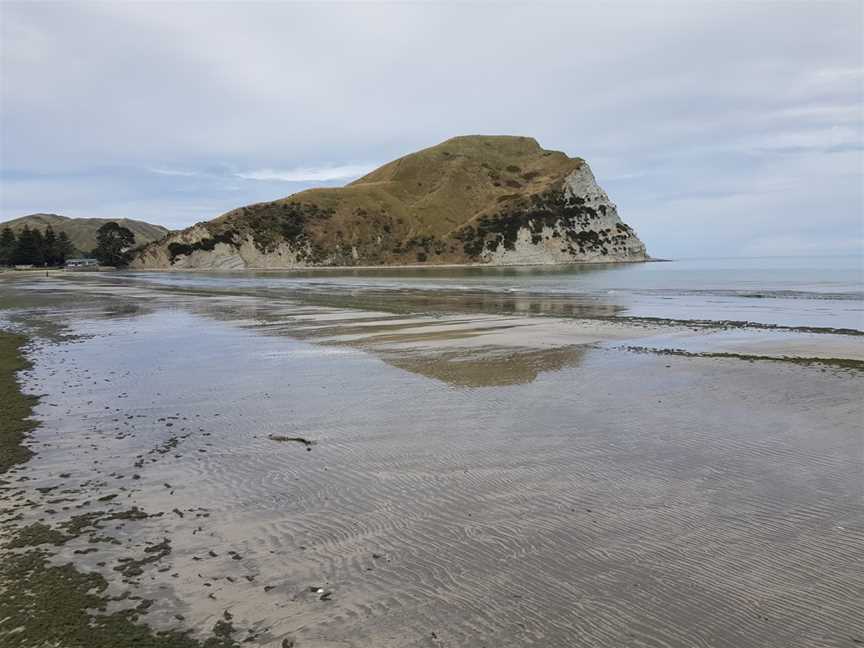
[718, 128]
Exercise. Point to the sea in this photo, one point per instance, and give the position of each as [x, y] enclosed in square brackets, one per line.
[819, 292]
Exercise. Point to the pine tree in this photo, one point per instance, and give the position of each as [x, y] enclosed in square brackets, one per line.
[51, 252]
[7, 246]
[65, 249]
[25, 249]
[38, 248]
[114, 243]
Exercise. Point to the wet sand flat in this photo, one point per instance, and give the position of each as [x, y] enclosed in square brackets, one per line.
[472, 479]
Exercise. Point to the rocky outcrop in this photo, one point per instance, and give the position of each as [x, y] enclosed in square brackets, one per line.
[574, 222]
[475, 199]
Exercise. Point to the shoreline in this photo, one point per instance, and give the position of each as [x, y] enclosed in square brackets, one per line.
[36, 271]
[399, 266]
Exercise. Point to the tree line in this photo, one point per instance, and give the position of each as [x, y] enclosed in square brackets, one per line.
[33, 247]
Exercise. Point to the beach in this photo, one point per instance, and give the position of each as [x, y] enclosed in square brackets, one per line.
[473, 457]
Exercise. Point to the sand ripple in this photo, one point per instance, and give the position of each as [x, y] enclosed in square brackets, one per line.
[607, 499]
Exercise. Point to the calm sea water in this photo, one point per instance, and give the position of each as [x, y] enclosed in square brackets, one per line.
[789, 291]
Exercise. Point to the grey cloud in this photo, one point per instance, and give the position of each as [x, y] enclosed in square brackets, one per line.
[309, 174]
[178, 112]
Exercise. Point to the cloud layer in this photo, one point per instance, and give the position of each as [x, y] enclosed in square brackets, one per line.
[311, 174]
[718, 128]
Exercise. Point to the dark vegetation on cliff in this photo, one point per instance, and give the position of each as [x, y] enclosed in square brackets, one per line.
[552, 209]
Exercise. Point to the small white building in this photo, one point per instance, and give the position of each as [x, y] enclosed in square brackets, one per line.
[77, 264]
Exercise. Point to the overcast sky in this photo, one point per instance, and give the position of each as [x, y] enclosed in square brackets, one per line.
[719, 128]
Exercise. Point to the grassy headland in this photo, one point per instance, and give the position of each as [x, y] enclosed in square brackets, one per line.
[453, 203]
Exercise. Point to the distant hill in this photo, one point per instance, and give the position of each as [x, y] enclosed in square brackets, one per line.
[82, 231]
[497, 200]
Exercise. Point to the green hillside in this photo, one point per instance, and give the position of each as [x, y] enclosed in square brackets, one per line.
[82, 231]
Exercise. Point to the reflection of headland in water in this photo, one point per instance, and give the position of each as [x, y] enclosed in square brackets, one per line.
[486, 367]
[463, 338]
[472, 302]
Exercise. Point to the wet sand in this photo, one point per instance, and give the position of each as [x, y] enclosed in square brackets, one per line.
[475, 478]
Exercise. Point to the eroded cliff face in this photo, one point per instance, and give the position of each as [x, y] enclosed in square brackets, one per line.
[196, 248]
[484, 200]
[575, 222]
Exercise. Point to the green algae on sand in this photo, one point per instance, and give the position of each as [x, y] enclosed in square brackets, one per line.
[49, 605]
[44, 605]
[15, 407]
[847, 364]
